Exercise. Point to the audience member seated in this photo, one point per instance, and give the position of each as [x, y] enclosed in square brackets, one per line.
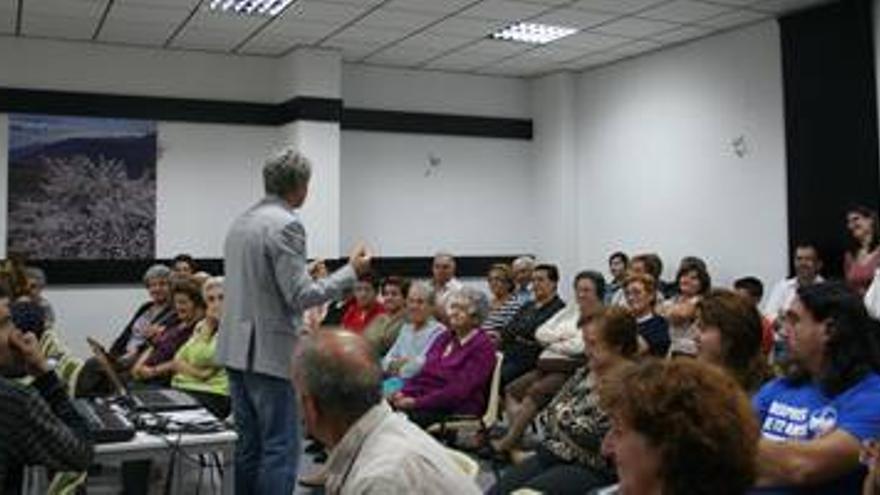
[148, 321]
[38, 423]
[816, 417]
[505, 300]
[618, 265]
[29, 318]
[194, 367]
[671, 289]
[641, 294]
[807, 266]
[372, 449]
[679, 427]
[184, 264]
[155, 365]
[383, 331]
[863, 257]
[315, 316]
[407, 356]
[36, 279]
[458, 366]
[522, 276]
[5, 299]
[363, 307]
[562, 340]
[728, 330]
[569, 458]
[752, 290]
[517, 339]
[149, 318]
[443, 278]
[643, 264]
[13, 276]
[870, 456]
[680, 310]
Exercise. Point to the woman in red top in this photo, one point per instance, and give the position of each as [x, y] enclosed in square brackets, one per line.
[863, 256]
[363, 306]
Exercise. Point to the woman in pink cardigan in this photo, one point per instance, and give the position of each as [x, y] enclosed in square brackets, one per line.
[863, 257]
[458, 366]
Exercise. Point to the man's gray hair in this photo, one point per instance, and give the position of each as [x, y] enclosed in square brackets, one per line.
[426, 290]
[156, 271]
[340, 372]
[475, 300]
[286, 171]
[445, 254]
[524, 261]
[37, 275]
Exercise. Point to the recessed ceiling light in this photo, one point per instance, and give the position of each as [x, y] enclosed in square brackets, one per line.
[539, 34]
[269, 8]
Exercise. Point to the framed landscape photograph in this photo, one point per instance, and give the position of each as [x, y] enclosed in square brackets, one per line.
[81, 188]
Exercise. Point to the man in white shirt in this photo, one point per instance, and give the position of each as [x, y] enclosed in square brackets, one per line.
[444, 281]
[522, 275]
[372, 449]
[807, 266]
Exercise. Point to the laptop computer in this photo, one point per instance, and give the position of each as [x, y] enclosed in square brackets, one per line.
[141, 400]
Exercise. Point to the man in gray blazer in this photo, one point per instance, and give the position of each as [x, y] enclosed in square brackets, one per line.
[267, 288]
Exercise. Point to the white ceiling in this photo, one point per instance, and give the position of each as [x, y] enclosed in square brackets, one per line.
[449, 35]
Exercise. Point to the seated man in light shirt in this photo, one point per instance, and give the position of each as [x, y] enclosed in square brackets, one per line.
[372, 448]
[807, 266]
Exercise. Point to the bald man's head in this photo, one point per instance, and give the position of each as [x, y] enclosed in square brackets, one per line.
[338, 371]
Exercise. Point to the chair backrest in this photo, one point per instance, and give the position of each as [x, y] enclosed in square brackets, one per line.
[468, 466]
[493, 406]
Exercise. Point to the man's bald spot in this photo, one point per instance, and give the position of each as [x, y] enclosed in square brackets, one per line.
[346, 349]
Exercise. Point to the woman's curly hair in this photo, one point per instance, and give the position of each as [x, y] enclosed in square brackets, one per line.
[696, 416]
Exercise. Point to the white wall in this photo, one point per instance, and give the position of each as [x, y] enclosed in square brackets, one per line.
[477, 201]
[656, 168]
[206, 176]
[557, 202]
[429, 91]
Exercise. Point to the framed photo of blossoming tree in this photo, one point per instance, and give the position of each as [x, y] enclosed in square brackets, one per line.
[81, 188]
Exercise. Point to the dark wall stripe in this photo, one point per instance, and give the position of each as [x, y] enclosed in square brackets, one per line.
[308, 108]
[237, 112]
[137, 107]
[96, 272]
[831, 123]
[430, 123]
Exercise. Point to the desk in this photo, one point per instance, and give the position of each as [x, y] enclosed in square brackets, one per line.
[158, 448]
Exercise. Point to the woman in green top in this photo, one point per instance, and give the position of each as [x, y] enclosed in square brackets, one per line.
[195, 369]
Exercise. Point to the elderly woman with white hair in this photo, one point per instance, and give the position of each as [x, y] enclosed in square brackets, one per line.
[195, 369]
[150, 318]
[458, 366]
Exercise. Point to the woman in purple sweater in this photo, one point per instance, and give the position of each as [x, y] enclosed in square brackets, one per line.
[458, 366]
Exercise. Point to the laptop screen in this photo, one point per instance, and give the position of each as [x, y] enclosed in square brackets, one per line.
[104, 360]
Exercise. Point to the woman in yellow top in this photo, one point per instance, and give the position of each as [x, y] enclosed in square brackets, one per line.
[195, 370]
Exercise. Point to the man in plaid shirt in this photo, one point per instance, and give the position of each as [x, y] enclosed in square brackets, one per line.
[38, 423]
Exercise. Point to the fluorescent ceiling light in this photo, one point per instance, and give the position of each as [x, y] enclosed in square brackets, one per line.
[269, 8]
[526, 32]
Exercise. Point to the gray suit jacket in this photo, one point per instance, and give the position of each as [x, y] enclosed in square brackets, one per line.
[267, 287]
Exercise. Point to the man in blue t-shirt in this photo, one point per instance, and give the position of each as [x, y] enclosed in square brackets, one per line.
[814, 420]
